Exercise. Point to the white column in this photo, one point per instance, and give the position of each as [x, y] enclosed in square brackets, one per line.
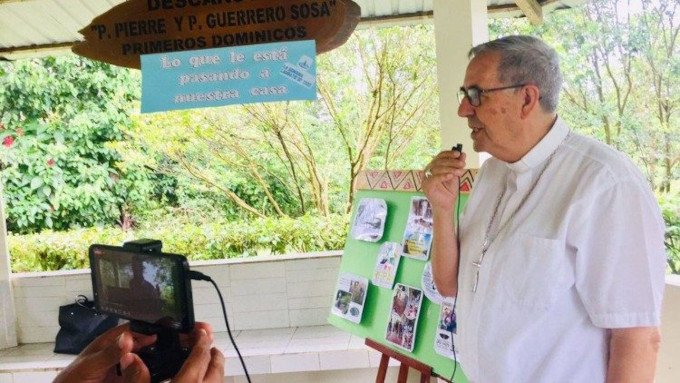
[459, 25]
[8, 331]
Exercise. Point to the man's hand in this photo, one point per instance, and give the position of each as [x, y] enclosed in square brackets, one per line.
[440, 183]
[97, 362]
[441, 189]
[204, 364]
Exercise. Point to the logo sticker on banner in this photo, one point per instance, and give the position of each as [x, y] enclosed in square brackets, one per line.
[227, 76]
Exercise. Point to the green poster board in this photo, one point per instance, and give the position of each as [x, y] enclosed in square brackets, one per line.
[396, 188]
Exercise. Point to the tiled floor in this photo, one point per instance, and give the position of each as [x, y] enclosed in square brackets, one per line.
[313, 348]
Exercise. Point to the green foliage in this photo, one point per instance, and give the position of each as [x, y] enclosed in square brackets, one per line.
[377, 109]
[71, 156]
[620, 65]
[670, 207]
[51, 250]
[58, 120]
[215, 240]
[381, 97]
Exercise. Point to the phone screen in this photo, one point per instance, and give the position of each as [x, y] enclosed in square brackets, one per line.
[151, 287]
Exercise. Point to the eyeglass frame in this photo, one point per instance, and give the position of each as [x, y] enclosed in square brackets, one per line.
[463, 92]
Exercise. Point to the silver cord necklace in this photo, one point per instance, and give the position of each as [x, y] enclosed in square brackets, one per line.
[488, 239]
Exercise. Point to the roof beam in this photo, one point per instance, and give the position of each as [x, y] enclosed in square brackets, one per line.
[403, 19]
[512, 10]
[13, 1]
[35, 50]
[532, 10]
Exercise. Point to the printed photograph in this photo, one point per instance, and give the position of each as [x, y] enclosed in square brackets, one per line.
[387, 263]
[445, 341]
[369, 221]
[403, 318]
[350, 297]
[418, 233]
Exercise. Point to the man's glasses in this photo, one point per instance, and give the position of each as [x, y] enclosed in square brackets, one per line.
[474, 94]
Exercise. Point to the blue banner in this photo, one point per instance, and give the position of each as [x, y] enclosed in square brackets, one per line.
[226, 76]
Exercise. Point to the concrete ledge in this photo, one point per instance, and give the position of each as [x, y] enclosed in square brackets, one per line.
[293, 290]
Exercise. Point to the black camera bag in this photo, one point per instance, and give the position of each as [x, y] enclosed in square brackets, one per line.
[80, 324]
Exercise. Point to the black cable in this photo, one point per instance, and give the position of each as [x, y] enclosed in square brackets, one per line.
[200, 276]
[453, 343]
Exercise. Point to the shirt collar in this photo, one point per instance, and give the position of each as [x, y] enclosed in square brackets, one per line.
[543, 149]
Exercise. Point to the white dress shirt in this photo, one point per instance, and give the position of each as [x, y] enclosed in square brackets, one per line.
[584, 253]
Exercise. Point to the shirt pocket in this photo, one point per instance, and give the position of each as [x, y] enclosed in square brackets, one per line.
[534, 271]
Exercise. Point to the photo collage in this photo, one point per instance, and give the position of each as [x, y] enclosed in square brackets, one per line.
[403, 318]
[402, 322]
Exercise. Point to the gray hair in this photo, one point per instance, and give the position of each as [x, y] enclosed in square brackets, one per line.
[527, 59]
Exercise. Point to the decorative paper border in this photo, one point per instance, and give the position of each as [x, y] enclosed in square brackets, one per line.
[405, 180]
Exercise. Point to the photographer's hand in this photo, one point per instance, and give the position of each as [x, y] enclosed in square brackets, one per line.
[204, 364]
[97, 362]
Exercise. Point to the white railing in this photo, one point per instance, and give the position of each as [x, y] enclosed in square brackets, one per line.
[263, 292]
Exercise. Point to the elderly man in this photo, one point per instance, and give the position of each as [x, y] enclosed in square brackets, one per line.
[559, 272]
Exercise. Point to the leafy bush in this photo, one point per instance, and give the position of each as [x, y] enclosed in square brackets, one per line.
[60, 119]
[51, 250]
[671, 214]
[68, 250]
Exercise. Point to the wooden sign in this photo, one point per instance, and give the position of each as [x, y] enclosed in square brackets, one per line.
[138, 27]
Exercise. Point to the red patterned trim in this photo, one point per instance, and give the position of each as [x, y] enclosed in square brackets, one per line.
[405, 180]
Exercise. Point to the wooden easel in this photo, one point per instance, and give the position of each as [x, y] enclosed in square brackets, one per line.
[426, 372]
